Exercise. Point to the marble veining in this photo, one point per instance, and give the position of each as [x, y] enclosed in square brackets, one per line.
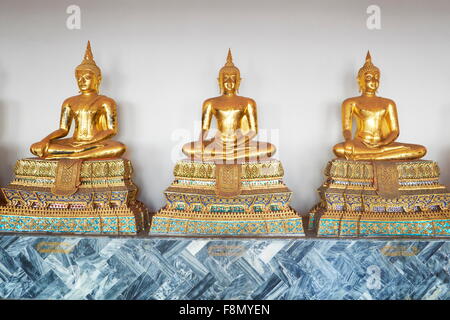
[70, 267]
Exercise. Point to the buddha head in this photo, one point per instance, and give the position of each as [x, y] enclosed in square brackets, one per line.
[229, 76]
[368, 76]
[88, 74]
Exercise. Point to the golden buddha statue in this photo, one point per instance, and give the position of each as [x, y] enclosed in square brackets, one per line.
[223, 188]
[377, 186]
[78, 185]
[236, 123]
[95, 121]
[377, 124]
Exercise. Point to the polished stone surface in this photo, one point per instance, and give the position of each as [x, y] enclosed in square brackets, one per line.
[70, 267]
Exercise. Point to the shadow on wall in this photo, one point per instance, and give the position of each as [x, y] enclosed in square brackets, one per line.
[444, 159]
[445, 167]
[126, 118]
[324, 151]
[333, 122]
[113, 79]
[8, 153]
[326, 139]
[333, 119]
[150, 176]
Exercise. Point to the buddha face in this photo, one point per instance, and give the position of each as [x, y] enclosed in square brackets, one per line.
[370, 82]
[229, 82]
[87, 81]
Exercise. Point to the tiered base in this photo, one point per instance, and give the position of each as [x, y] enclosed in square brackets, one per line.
[104, 203]
[354, 203]
[194, 208]
[353, 224]
[177, 222]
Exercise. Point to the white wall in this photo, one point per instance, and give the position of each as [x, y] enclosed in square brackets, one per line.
[160, 60]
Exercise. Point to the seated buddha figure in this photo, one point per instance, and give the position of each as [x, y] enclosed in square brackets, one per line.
[377, 124]
[237, 125]
[95, 121]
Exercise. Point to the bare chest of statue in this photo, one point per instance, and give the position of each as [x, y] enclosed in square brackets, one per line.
[85, 114]
[370, 119]
[228, 117]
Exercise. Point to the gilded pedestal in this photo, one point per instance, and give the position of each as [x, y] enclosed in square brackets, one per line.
[259, 205]
[103, 201]
[382, 198]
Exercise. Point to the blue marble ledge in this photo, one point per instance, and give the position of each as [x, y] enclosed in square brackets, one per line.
[71, 267]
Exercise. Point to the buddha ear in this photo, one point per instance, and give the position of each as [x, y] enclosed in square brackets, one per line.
[360, 84]
[99, 81]
[220, 85]
[238, 84]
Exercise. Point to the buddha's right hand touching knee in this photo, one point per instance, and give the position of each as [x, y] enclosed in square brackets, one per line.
[40, 148]
[348, 149]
